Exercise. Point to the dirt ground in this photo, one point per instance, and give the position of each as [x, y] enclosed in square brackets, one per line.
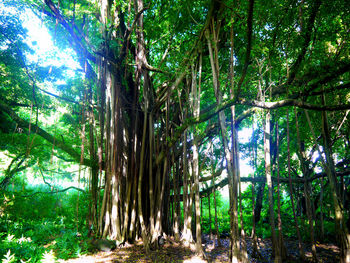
[173, 252]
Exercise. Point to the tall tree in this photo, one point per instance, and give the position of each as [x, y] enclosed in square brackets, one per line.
[137, 62]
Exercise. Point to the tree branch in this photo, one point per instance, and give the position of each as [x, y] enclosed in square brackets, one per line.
[54, 192]
[11, 172]
[48, 137]
[57, 96]
[255, 103]
[307, 37]
[249, 46]
[291, 102]
[330, 90]
[80, 49]
[316, 77]
[297, 180]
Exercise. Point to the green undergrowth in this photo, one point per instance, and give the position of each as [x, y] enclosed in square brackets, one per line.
[42, 227]
[39, 225]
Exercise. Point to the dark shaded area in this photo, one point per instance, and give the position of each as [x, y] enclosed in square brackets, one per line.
[174, 252]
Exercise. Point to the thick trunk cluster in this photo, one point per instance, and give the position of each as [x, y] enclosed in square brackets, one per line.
[134, 185]
[141, 139]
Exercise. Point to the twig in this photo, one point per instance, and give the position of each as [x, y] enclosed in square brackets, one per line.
[57, 191]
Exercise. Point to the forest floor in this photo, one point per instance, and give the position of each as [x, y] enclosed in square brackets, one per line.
[175, 252]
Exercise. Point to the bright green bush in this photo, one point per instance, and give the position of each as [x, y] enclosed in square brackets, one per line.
[42, 227]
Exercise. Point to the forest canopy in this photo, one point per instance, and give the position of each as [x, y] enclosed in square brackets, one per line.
[140, 103]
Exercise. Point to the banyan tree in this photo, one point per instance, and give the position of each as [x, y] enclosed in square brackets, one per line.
[165, 80]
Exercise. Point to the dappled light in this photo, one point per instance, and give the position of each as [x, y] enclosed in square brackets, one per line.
[195, 259]
[174, 131]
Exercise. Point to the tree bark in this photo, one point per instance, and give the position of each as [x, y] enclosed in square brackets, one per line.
[306, 172]
[215, 207]
[300, 245]
[196, 90]
[328, 165]
[282, 247]
[254, 151]
[144, 230]
[187, 230]
[234, 249]
[267, 136]
[176, 226]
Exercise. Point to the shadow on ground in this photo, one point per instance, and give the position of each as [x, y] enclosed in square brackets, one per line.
[173, 253]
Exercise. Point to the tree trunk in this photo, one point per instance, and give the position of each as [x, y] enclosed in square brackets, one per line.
[209, 214]
[300, 245]
[343, 231]
[306, 172]
[254, 151]
[176, 226]
[234, 250]
[328, 165]
[244, 253]
[267, 136]
[282, 247]
[215, 208]
[321, 211]
[196, 90]
[144, 231]
[187, 230]
[94, 169]
[259, 200]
